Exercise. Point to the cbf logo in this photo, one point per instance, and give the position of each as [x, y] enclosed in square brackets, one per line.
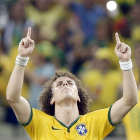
[81, 129]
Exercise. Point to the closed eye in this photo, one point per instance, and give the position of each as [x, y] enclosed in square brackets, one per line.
[70, 83]
[58, 84]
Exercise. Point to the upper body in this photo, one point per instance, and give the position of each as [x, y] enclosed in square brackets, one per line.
[64, 95]
[94, 125]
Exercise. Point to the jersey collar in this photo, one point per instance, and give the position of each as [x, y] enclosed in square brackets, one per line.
[68, 128]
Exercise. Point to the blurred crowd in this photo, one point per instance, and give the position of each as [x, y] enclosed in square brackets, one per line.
[72, 35]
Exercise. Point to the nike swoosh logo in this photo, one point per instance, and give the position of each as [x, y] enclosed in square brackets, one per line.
[55, 128]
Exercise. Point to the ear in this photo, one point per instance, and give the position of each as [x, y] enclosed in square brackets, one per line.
[78, 99]
[52, 101]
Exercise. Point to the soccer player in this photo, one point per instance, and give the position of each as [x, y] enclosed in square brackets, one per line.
[64, 102]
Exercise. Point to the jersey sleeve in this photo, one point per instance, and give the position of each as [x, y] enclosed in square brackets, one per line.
[100, 122]
[34, 122]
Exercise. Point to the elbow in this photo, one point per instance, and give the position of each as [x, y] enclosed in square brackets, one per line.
[133, 103]
[11, 99]
[8, 97]
[137, 100]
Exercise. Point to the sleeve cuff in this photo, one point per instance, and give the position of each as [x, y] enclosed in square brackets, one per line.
[31, 116]
[109, 117]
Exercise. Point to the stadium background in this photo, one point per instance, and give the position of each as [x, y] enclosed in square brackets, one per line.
[73, 35]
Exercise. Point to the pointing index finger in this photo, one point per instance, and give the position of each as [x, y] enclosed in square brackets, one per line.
[117, 37]
[29, 32]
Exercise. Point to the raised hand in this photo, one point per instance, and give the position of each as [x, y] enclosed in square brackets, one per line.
[122, 50]
[26, 45]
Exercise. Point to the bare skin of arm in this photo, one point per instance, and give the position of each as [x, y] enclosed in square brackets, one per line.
[19, 104]
[130, 93]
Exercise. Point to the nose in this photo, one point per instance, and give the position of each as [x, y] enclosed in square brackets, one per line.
[65, 83]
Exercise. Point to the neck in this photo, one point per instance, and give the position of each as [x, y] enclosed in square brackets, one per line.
[66, 113]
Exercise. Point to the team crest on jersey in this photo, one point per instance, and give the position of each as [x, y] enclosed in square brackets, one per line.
[81, 129]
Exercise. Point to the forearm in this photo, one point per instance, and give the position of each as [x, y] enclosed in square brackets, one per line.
[130, 92]
[14, 88]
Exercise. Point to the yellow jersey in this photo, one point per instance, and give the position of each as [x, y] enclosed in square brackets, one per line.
[92, 126]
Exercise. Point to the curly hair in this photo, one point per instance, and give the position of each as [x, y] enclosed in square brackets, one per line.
[46, 95]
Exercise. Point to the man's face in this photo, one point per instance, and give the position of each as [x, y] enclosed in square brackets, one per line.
[64, 89]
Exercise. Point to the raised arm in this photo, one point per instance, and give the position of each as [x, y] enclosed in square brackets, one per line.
[130, 93]
[13, 93]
